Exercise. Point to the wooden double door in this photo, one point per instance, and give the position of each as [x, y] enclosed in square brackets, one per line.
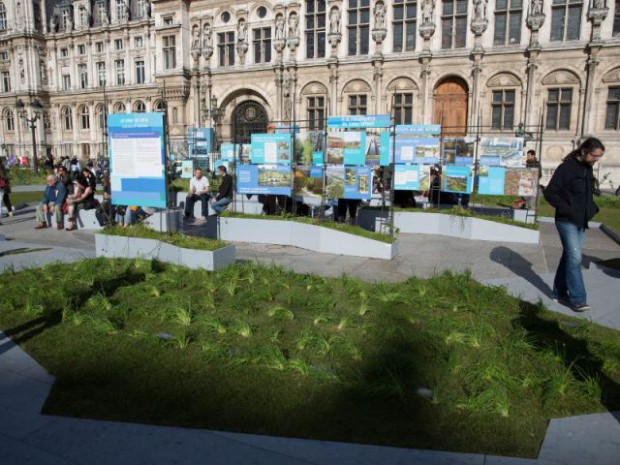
[451, 105]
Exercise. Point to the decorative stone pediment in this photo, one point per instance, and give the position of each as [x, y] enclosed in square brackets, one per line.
[504, 80]
[560, 77]
[612, 76]
[357, 85]
[402, 84]
[314, 88]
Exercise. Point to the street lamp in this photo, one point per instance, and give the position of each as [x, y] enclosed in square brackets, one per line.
[31, 121]
[215, 113]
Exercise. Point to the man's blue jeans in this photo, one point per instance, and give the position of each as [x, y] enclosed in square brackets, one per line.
[220, 205]
[568, 284]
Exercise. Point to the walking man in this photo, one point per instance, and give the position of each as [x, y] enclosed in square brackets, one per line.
[570, 192]
[198, 191]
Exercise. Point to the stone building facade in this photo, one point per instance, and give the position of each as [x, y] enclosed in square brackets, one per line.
[475, 66]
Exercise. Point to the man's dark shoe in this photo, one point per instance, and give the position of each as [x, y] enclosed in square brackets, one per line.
[59, 226]
[41, 226]
[580, 307]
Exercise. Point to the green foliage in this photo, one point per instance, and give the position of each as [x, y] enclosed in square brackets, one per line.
[264, 350]
[178, 239]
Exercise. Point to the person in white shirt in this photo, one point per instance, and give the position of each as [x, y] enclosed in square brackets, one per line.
[198, 190]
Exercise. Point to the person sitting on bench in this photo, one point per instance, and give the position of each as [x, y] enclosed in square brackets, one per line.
[224, 192]
[198, 190]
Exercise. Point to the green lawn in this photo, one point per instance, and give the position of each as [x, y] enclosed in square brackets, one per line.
[25, 176]
[444, 363]
[21, 197]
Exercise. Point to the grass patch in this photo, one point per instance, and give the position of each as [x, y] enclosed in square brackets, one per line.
[25, 176]
[180, 240]
[444, 363]
[26, 197]
[347, 228]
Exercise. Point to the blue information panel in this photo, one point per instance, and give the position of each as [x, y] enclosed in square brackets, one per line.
[407, 177]
[420, 129]
[491, 180]
[346, 147]
[422, 150]
[357, 182]
[387, 149]
[137, 159]
[227, 151]
[271, 149]
[457, 179]
[358, 121]
[264, 179]
[200, 142]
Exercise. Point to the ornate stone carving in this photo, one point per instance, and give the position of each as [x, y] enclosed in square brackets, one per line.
[242, 39]
[334, 21]
[479, 20]
[597, 13]
[560, 77]
[504, 80]
[293, 32]
[536, 17]
[207, 40]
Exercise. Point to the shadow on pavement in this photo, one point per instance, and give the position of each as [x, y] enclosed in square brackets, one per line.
[521, 267]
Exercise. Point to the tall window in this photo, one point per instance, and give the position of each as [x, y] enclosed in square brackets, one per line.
[84, 118]
[616, 26]
[262, 45]
[67, 119]
[508, 22]
[315, 29]
[101, 80]
[566, 19]
[503, 109]
[118, 44]
[81, 49]
[316, 112]
[559, 108]
[403, 108]
[66, 82]
[454, 24]
[2, 17]
[6, 81]
[140, 74]
[10, 122]
[169, 48]
[120, 9]
[99, 47]
[358, 27]
[358, 104]
[101, 114]
[404, 25]
[140, 9]
[83, 72]
[120, 72]
[612, 118]
[226, 48]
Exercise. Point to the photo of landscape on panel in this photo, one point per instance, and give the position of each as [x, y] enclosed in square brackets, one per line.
[274, 176]
[335, 182]
[308, 147]
[308, 181]
[502, 151]
[521, 182]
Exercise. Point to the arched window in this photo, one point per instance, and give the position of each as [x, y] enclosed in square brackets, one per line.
[10, 122]
[101, 115]
[67, 119]
[158, 106]
[2, 17]
[139, 107]
[84, 117]
[119, 107]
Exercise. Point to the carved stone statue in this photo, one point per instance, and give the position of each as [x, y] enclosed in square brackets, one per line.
[279, 27]
[196, 37]
[22, 71]
[286, 91]
[242, 31]
[599, 4]
[53, 23]
[536, 7]
[428, 8]
[334, 21]
[207, 36]
[480, 10]
[293, 25]
[43, 72]
[380, 16]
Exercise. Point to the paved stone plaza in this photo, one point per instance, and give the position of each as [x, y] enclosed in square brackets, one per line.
[27, 437]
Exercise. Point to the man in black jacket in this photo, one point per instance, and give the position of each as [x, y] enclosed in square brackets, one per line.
[570, 192]
[224, 192]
